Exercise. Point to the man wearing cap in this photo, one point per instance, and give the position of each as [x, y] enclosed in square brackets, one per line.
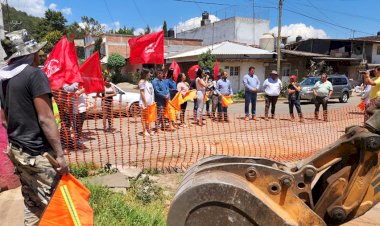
[294, 98]
[272, 87]
[26, 103]
[322, 91]
[252, 84]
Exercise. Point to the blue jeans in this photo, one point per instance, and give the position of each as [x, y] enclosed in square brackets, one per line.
[250, 98]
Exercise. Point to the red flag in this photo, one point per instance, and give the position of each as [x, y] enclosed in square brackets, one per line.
[91, 72]
[192, 72]
[147, 49]
[176, 68]
[216, 69]
[61, 66]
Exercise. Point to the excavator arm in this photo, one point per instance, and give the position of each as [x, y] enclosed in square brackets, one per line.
[336, 185]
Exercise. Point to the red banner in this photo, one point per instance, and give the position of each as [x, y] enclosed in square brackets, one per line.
[61, 66]
[177, 70]
[91, 72]
[147, 49]
[216, 70]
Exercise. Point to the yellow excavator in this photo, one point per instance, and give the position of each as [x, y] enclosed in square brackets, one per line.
[332, 187]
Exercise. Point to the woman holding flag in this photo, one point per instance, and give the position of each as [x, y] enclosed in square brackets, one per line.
[146, 100]
[201, 91]
[183, 87]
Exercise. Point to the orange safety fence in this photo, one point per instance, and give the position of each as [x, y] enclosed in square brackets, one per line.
[124, 144]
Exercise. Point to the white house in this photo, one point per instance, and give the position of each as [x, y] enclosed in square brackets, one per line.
[235, 29]
[232, 57]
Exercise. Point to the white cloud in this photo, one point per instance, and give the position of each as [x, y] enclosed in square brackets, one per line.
[193, 23]
[31, 7]
[138, 31]
[66, 11]
[53, 6]
[306, 32]
[36, 7]
[116, 25]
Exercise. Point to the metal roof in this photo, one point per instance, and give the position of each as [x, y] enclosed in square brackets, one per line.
[302, 53]
[227, 49]
[337, 58]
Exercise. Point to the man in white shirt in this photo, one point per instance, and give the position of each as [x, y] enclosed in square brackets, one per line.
[272, 87]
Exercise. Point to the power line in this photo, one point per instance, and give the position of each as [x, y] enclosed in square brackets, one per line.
[206, 3]
[295, 6]
[109, 13]
[317, 19]
[344, 13]
[139, 12]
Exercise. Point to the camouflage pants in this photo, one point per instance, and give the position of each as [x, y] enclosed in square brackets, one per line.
[38, 181]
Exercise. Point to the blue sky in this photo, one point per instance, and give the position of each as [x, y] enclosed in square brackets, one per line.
[340, 17]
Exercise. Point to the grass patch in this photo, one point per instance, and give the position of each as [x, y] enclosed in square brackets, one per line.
[90, 169]
[144, 204]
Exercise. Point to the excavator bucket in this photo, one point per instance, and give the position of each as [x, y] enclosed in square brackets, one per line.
[334, 186]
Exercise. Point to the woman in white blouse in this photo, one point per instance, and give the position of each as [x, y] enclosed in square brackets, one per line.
[146, 99]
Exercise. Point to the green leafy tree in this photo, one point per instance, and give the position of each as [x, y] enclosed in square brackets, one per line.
[92, 26]
[98, 45]
[147, 30]
[51, 38]
[165, 28]
[115, 63]
[53, 21]
[207, 61]
[76, 30]
[126, 31]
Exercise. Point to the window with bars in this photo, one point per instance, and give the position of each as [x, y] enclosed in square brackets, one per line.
[234, 71]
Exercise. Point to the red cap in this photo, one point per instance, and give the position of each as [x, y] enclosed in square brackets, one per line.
[293, 77]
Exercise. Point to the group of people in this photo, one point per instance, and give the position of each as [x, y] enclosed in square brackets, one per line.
[272, 87]
[164, 88]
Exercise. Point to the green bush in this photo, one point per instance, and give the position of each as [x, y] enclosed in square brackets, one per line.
[83, 169]
[240, 94]
[146, 190]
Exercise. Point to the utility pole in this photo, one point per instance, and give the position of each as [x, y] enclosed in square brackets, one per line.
[253, 17]
[279, 38]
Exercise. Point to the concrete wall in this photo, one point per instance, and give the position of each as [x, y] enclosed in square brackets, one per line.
[375, 56]
[237, 81]
[237, 29]
[249, 32]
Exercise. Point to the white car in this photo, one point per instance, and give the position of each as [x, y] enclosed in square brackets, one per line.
[124, 101]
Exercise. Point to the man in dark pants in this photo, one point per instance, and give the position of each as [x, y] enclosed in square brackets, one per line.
[322, 91]
[252, 84]
[26, 103]
[294, 98]
[161, 96]
[223, 86]
[272, 87]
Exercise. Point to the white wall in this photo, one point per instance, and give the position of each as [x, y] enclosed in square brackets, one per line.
[235, 29]
[237, 83]
[249, 32]
[375, 57]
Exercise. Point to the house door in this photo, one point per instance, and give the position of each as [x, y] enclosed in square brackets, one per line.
[234, 77]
